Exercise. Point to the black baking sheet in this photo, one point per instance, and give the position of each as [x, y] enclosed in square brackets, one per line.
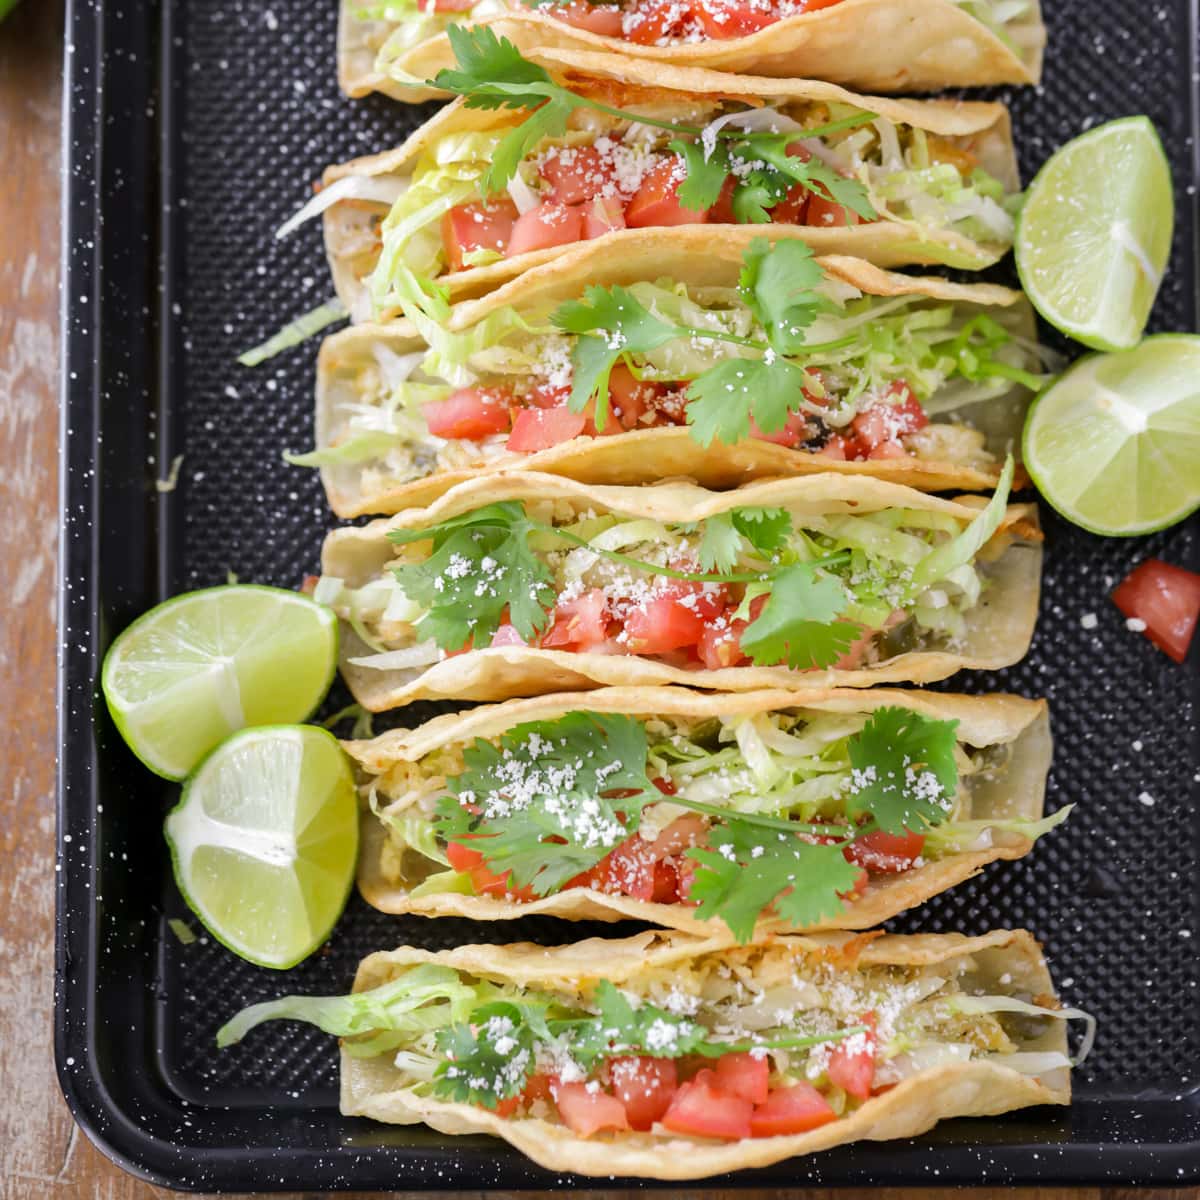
[192, 131]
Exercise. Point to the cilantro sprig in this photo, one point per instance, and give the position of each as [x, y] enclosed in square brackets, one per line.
[778, 284]
[555, 797]
[491, 73]
[483, 567]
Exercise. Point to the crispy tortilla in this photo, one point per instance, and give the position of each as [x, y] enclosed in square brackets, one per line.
[699, 257]
[373, 1087]
[879, 45]
[348, 239]
[999, 627]
[1023, 725]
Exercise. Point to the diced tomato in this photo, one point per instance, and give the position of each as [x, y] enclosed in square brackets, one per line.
[835, 448]
[579, 623]
[450, 6]
[605, 214]
[550, 224]
[470, 413]
[628, 870]
[540, 428]
[795, 1109]
[827, 214]
[720, 645]
[686, 869]
[506, 1108]
[813, 5]
[733, 18]
[629, 397]
[484, 225]
[699, 1107]
[644, 1086]
[462, 858]
[793, 209]
[721, 213]
[660, 624]
[664, 785]
[540, 1087]
[577, 174]
[1167, 599]
[604, 19]
[666, 883]
[744, 1075]
[586, 1112]
[887, 853]
[657, 200]
[794, 431]
[852, 1063]
[877, 429]
[547, 395]
[682, 833]
[655, 20]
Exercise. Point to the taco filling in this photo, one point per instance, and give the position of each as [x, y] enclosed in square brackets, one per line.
[818, 367]
[401, 24]
[719, 1045]
[559, 165]
[786, 814]
[749, 585]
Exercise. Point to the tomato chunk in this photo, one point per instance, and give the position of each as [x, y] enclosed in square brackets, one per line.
[1167, 599]
[470, 413]
[733, 18]
[540, 428]
[852, 1063]
[744, 1075]
[577, 173]
[630, 397]
[655, 20]
[644, 1086]
[795, 1109]
[451, 6]
[826, 213]
[701, 1108]
[462, 858]
[586, 1112]
[605, 214]
[550, 224]
[660, 624]
[603, 19]
[484, 225]
[580, 622]
[887, 853]
[794, 431]
[657, 200]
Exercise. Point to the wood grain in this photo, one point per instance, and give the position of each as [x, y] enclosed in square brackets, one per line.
[41, 1153]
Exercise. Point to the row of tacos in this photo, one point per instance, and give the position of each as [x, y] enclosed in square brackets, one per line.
[651, 427]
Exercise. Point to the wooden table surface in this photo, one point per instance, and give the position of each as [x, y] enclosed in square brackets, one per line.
[42, 1154]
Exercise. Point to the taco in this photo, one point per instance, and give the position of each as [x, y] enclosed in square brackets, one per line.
[479, 194]
[522, 584]
[916, 380]
[665, 805]
[675, 1057]
[882, 45]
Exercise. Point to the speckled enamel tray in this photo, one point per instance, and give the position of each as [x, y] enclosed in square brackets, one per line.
[192, 131]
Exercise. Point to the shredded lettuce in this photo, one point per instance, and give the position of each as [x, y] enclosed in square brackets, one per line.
[295, 332]
[1009, 1004]
[967, 835]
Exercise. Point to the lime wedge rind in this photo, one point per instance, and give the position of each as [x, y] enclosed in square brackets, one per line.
[247, 872]
[1094, 235]
[1110, 450]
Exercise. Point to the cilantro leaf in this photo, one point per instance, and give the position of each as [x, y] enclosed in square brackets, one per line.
[766, 529]
[778, 171]
[722, 400]
[608, 323]
[489, 1059]
[551, 779]
[619, 1028]
[777, 283]
[798, 624]
[492, 73]
[720, 543]
[746, 871]
[550, 120]
[756, 193]
[905, 774]
[705, 175]
[481, 565]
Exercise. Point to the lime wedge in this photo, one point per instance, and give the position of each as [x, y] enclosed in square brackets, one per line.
[1114, 445]
[187, 674]
[1094, 234]
[263, 841]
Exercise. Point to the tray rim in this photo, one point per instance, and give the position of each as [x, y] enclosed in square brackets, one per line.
[458, 1163]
